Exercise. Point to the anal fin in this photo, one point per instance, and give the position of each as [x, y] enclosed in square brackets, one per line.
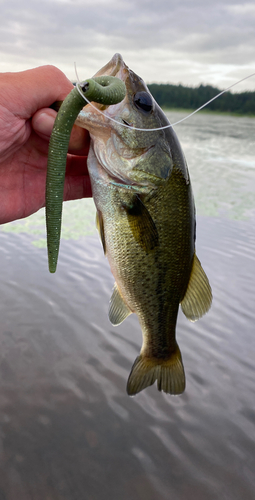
[118, 310]
[198, 297]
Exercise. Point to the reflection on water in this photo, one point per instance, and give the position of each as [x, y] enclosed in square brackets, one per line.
[67, 428]
[220, 152]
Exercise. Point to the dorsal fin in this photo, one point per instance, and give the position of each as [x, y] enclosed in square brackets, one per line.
[198, 297]
[118, 310]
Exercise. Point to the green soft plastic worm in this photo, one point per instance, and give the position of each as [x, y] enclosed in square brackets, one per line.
[105, 90]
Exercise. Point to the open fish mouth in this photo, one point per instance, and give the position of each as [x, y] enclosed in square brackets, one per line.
[114, 66]
[127, 157]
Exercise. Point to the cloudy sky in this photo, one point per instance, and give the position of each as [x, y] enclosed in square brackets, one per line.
[176, 41]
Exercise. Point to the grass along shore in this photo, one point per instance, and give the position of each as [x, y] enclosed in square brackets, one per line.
[208, 112]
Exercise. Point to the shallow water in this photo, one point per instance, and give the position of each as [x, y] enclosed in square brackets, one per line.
[67, 428]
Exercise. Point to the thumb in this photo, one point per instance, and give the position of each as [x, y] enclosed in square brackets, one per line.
[43, 121]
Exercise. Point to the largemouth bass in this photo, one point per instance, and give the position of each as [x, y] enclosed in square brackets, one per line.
[146, 220]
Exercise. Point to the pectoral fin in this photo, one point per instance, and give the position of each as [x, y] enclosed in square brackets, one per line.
[198, 297]
[100, 228]
[118, 310]
[141, 224]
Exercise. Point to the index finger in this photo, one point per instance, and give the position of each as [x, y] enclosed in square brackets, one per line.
[33, 89]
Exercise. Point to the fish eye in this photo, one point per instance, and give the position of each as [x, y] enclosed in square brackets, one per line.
[143, 101]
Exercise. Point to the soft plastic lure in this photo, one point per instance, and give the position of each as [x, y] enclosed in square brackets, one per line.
[105, 90]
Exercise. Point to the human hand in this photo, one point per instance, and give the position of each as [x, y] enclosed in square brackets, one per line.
[26, 122]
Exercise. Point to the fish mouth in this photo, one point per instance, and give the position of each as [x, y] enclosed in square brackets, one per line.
[128, 172]
[112, 67]
[118, 68]
[96, 117]
[105, 115]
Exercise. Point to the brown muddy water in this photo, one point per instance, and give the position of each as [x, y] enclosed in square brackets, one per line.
[68, 430]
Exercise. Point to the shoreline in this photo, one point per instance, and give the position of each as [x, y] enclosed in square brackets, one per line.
[210, 112]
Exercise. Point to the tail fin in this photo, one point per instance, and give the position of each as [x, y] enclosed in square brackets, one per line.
[169, 374]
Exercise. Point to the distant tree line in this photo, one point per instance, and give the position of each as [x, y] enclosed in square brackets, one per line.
[178, 96]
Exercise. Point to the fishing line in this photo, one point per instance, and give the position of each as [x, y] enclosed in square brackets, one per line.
[166, 126]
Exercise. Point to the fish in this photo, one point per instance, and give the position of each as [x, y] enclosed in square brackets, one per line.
[146, 220]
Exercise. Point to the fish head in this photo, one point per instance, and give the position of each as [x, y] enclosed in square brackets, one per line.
[129, 156]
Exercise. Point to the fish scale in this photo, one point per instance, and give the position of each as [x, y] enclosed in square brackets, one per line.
[146, 219]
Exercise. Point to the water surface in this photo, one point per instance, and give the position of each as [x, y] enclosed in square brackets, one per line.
[67, 428]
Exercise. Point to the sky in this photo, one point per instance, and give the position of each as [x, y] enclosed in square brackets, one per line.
[164, 41]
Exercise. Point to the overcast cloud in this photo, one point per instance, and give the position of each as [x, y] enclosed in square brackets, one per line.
[189, 42]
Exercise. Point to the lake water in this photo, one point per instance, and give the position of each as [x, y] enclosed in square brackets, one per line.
[68, 430]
